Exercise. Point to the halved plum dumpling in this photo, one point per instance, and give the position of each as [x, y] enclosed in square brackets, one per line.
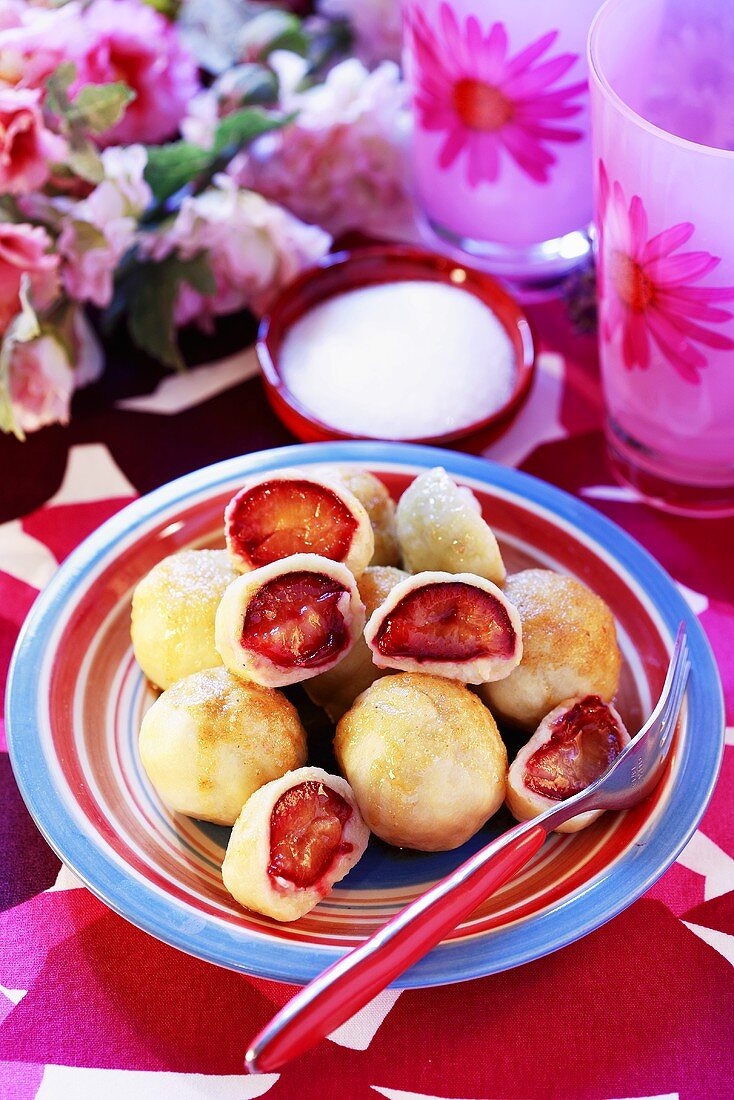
[571, 748]
[450, 624]
[294, 838]
[290, 512]
[289, 620]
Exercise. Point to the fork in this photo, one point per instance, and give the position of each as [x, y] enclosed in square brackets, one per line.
[346, 986]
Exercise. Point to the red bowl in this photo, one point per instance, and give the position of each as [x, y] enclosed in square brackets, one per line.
[379, 264]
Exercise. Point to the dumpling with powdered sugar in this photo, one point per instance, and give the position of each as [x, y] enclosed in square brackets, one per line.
[440, 527]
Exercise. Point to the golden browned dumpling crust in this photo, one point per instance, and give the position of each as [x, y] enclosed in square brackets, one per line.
[337, 689]
[380, 507]
[173, 613]
[211, 740]
[425, 760]
[376, 584]
[569, 647]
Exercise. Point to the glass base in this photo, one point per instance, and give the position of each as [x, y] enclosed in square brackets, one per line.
[687, 490]
[535, 268]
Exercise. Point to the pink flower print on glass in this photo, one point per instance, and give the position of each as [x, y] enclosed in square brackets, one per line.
[646, 289]
[488, 103]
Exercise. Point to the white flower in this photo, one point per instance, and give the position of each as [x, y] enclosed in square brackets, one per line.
[41, 383]
[97, 231]
[343, 162]
[201, 120]
[124, 168]
[254, 248]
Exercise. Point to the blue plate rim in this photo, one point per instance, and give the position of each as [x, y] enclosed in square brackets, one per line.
[630, 877]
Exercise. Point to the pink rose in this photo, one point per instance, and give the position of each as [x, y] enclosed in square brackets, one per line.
[46, 370]
[35, 40]
[129, 41]
[89, 268]
[41, 383]
[26, 146]
[23, 251]
[107, 40]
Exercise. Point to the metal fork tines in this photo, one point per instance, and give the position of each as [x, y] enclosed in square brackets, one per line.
[673, 690]
[638, 767]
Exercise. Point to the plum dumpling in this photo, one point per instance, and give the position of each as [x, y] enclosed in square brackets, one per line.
[210, 740]
[288, 621]
[425, 760]
[173, 613]
[454, 625]
[380, 507]
[571, 748]
[294, 839]
[294, 511]
[569, 647]
[440, 527]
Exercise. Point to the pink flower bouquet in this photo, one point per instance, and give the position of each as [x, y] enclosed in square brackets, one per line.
[169, 170]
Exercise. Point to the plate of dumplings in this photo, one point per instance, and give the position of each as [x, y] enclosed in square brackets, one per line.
[266, 706]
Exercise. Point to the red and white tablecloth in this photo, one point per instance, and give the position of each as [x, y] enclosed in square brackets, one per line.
[90, 1007]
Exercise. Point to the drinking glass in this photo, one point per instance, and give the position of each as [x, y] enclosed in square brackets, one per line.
[662, 102]
[501, 151]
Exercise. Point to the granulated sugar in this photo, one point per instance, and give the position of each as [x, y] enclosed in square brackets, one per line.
[401, 360]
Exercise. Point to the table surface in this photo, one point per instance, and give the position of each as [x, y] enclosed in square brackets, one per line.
[91, 1007]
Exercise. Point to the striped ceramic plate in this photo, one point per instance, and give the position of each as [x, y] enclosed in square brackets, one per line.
[76, 698]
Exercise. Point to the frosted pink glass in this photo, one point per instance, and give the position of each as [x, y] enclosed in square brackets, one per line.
[486, 75]
[666, 240]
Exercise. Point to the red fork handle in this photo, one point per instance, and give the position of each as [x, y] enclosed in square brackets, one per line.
[359, 976]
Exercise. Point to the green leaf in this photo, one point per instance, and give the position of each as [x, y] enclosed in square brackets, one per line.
[197, 272]
[96, 108]
[170, 167]
[57, 88]
[85, 161]
[174, 166]
[169, 8]
[99, 107]
[9, 210]
[25, 324]
[242, 127]
[334, 39]
[88, 236]
[294, 39]
[23, 327]
[153, 294]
